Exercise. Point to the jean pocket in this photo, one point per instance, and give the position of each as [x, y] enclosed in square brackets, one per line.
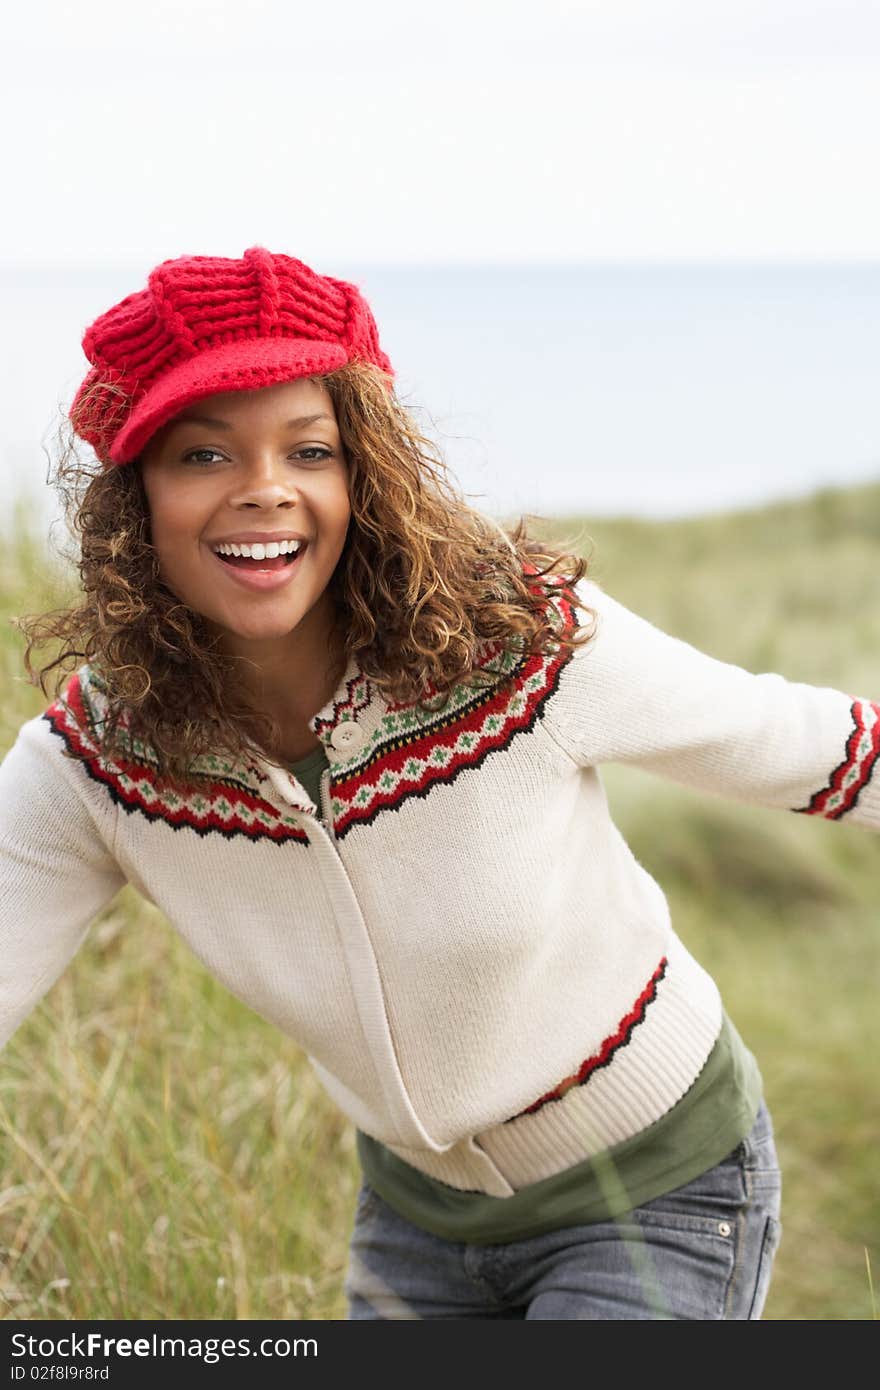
[689, 1248]
[710, 1204]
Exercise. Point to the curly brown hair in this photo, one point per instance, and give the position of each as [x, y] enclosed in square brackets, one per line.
[423, 580]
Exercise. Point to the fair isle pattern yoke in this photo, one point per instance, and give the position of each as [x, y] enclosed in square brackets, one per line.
[410, 751]
[227, 801]
[413, 751]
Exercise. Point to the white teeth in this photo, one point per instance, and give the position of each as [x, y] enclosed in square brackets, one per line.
[257, 551]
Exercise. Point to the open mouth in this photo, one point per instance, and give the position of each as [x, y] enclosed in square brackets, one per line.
[246, 562]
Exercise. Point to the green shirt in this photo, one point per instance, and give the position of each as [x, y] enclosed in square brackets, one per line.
[308, 771]
[702, 1129]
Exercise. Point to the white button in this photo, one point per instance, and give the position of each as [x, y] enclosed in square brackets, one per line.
[724, 1228]
[347, 737]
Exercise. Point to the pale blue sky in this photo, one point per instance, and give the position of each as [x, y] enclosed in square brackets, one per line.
[473, 130]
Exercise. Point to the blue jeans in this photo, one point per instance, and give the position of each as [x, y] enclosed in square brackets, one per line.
[703, 1251]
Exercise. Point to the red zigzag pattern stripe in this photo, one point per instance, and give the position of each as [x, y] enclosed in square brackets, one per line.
[848, 778]
[607, 1050]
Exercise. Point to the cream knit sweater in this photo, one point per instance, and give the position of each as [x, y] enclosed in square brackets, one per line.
[482, 974]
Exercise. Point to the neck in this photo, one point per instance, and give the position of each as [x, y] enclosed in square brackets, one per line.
[292, 677]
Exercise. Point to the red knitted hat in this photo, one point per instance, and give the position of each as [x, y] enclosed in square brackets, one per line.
[206, 324]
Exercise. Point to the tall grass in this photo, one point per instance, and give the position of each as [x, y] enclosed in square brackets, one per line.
[165, 1153]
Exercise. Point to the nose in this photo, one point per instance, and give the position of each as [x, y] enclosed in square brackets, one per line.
[267, 481]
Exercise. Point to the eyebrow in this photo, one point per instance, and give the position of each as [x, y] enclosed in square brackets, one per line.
[299, 422]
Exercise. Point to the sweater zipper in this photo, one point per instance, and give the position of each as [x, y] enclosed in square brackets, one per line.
[326, 819]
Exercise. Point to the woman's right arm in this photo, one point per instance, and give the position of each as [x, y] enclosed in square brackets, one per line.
[57, 869]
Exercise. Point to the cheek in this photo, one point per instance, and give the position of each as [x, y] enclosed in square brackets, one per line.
[173, 525]
[177, 550]
[342, 507]
[166, 538]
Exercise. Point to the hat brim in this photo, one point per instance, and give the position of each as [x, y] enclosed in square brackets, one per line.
[245, 365]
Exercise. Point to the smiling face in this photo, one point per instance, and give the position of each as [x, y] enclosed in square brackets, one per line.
[252, 466]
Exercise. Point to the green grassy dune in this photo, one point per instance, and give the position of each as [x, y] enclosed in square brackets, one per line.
[164, 1153]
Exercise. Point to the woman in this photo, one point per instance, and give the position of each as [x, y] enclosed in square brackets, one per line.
[345, 733]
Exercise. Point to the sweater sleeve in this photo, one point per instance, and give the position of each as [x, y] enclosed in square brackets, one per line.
[634, 694]
[56, 868]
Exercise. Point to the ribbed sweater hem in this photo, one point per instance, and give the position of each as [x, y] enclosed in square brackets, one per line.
[644, 1078]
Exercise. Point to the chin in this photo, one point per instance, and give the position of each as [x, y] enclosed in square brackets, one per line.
[260, 633]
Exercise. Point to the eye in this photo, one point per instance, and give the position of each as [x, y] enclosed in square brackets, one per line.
[315, 449]
[190, 456]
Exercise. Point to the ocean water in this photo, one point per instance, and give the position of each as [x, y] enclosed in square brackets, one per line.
[593, 389]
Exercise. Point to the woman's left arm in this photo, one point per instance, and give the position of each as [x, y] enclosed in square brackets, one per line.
[636, 695]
